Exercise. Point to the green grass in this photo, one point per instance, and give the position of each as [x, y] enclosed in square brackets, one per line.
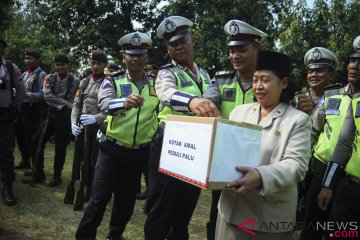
[41, 214]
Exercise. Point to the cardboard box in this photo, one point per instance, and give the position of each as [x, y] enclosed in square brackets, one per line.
[205, 151]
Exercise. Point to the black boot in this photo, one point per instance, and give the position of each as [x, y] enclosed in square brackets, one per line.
[23, 164]
[141, 196]
[55, 181]
[8, 195]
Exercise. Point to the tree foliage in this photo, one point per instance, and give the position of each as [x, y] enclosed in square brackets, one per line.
[7, 9]
[75, 27]
[330, 24]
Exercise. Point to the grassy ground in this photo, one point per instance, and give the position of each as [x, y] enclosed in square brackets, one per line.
[41, 214]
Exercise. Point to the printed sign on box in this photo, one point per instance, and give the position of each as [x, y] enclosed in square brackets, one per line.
[205, 151]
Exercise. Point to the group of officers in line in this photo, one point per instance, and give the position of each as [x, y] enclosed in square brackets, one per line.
[123, 116]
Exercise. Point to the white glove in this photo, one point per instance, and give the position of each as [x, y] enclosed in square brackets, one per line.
[87, 119]
[76, 130]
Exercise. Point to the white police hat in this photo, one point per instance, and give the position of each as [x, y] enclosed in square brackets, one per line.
[319, 57]
[356, 45]
[173, 28]
[135, 43]
[241, 33]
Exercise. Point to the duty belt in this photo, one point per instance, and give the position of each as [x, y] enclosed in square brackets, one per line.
[121, 144]
[354, 179]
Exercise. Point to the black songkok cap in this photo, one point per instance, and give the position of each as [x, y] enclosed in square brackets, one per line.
[274, 61]
[32, 52]
[98, 55]
[61, 58]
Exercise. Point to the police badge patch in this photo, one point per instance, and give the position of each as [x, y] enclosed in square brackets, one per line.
[170, 26]
[125, 90]
[357, 113]
[136, 40]
[234, 28]
[229, 94]
[316, 54]
[332, 107]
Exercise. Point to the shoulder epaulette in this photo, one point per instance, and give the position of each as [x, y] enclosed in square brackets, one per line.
[169, 65]
[223, 73]
[333, 86]
[117, 73]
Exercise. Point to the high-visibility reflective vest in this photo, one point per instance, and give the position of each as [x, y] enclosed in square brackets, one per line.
[232, 95]
[185, 83]
[353, 166]
[137, 125]
[336, 107]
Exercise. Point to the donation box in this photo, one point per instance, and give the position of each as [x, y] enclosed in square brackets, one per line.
[205, 151]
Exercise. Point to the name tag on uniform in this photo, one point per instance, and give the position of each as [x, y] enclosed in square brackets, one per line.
[332, 107]
[229, 94]
[357, 113]
[186, 84]
[125, 90]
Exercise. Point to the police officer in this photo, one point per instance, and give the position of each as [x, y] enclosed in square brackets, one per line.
[86, 110]
[59, 91]
[342, 178]
[231, 89]
[131, 104]
[244, 44]
[321, 64]
[12, 91]
[179, 86]
[29, 117]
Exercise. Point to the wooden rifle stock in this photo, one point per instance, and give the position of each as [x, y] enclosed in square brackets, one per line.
[84, 171]
[38, 150]
[75, 173]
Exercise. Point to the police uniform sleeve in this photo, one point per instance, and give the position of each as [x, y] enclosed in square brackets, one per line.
[106, 94]
[169, 94]
[100, 117]
[342, 152]
[213, 92]
[318, 121]
[75, 111]
[20, 87]
[74, 88]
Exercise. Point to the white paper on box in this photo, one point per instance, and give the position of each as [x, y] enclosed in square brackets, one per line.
[233, 146]
[205, 151]
[186, 153]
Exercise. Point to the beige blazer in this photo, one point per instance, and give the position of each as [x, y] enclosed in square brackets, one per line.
[285, 152]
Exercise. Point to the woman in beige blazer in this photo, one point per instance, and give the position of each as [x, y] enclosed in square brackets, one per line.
[262, 203]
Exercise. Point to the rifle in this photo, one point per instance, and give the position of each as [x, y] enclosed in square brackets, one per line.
[78, 158]
[38, 150]
[79, 200]
[75, 173]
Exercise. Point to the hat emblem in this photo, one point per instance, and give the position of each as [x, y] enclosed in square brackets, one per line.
[234, 28]
[170, 26]
[136, 40]
[316, 54]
